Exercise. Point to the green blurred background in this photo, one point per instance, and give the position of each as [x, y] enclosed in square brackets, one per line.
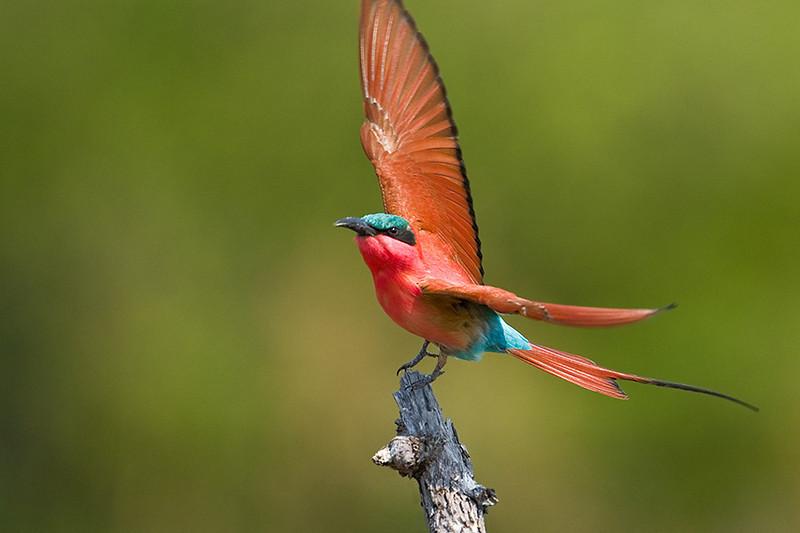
[187, 344]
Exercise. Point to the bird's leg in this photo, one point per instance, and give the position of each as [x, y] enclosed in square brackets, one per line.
[437, 371]
[423, 352]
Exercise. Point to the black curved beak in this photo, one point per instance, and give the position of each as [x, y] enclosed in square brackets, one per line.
[356, 224]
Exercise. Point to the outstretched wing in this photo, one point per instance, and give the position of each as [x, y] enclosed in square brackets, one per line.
[506, 302]
[410, 138]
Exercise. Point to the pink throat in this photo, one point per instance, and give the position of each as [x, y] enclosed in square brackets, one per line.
[386, 256]
[396, 271]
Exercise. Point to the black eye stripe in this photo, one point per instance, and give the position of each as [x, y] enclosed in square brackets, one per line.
[405, 235]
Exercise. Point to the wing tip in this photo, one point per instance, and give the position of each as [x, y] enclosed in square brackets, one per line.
[665, 308]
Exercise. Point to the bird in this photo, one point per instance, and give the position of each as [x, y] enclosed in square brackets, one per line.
[423, 251]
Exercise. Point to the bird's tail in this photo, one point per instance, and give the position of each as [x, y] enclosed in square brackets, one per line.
[589, 375]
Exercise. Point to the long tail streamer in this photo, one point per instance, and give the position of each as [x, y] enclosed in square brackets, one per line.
[589, 375]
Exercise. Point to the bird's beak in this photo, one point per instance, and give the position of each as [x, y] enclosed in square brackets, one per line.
[356, 224]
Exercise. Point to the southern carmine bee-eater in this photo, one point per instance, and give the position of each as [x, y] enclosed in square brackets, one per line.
[424, 252]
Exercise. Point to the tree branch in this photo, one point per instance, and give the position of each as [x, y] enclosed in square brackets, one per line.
[427, 448]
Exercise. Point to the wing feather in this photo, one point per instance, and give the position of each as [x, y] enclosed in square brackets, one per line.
[503, 301]
[411, 139]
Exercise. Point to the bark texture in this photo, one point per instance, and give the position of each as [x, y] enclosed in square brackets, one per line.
[427, 448]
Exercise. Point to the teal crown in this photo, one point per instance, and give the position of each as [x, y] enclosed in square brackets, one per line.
[384, 221]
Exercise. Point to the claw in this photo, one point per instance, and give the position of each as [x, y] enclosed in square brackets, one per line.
[427, 380]
[404, 368]
[423, 352]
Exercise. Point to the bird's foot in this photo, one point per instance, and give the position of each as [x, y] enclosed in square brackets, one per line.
[423, 352]
[424, 381]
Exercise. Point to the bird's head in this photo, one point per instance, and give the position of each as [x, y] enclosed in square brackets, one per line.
[384, 240]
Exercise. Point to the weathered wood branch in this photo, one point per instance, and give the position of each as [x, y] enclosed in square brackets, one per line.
[427, 448]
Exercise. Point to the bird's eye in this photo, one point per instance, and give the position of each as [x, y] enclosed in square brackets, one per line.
[393, 231]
